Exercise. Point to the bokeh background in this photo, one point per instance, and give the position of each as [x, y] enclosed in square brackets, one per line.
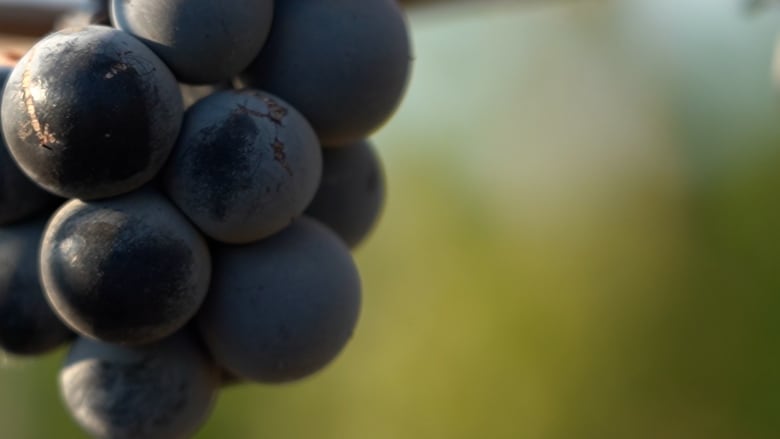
[581, 240]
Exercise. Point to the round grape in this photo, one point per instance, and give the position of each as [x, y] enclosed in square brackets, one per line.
[20, 198]
[246, 163]
[27, 324]
[160, 391]
[202, 41]
[343, 63]
[91, 112]
[128, 270]
[282, 308]
[351, 192]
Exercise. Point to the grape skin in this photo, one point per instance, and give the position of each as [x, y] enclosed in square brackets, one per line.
[282, 308]
[351, 193]
[91, 112]
[128, 270]
[202, 41]
[343, 64]
[20, 198]
[246, 163]
[160, 391]
[27, 324]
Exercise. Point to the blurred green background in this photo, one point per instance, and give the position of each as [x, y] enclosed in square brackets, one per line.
[580, 241]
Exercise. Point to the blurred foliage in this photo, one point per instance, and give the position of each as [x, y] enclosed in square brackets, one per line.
[581, 241]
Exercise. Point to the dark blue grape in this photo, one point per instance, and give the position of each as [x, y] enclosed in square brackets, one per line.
[343, 63]
[91, 112]
[246, 163]
[282, 308]
[20, 198]
[351, 192]
[160, 391]
[127, 270]
[202, 41]
[27, 324]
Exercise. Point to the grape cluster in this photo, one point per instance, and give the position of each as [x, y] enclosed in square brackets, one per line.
[180, 189]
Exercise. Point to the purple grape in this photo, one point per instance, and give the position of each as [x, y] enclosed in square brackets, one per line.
[351, 193]
[27, 324]
[91, 112]
[20, 198]
[128, 270]
[343, 63]
[245, 165]
[202, 41]
[282, 308]
[161, 391]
